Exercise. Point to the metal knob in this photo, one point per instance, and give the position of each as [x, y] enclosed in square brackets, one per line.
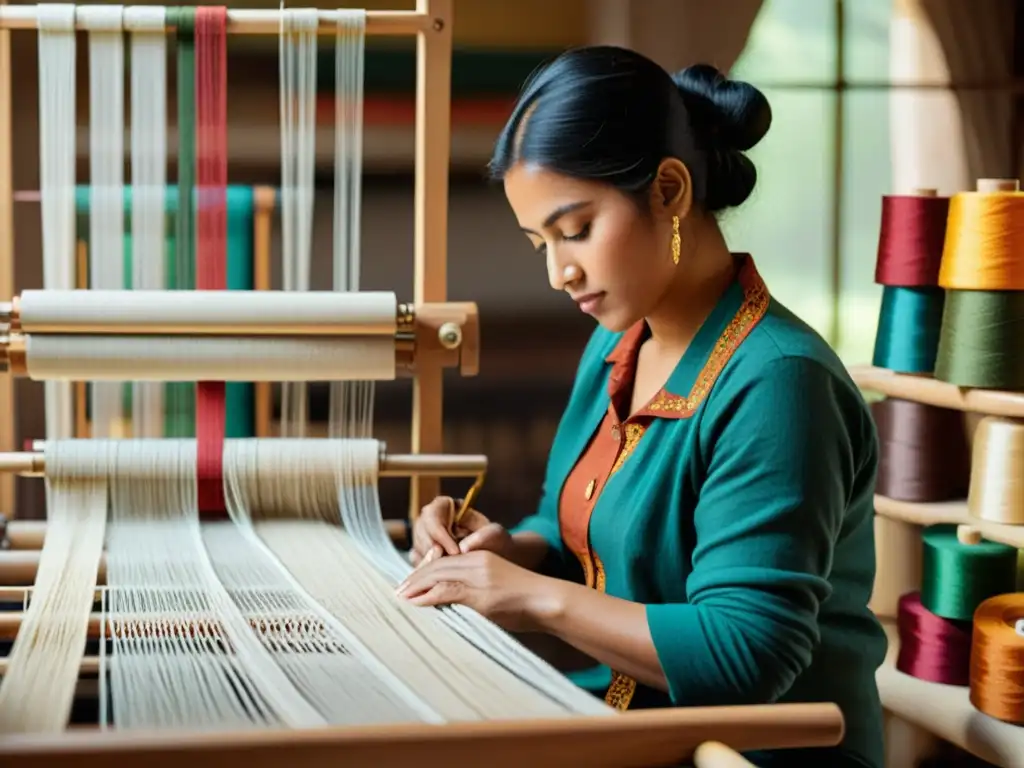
[450, 335]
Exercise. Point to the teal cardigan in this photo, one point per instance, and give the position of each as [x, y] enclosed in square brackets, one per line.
[742, 518]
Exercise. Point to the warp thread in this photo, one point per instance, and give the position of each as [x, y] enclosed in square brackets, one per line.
[931, 647]
[924, 453]
[211, 234]
[956, 577]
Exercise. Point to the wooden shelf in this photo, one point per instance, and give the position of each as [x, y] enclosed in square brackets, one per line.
[946, 711]
[954, 512]
[938, 393]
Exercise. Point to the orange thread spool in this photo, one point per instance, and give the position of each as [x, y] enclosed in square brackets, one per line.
[984, 240]
[997, 658]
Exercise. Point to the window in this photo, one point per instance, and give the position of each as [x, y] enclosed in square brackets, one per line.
[812, 223]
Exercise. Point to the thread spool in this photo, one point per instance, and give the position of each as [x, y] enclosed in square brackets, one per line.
[997, 484]
[960, 570]
[911, 239]
[997, 658]
[983, 274]
[932, 648]
[979, 340]
[909, 322]
[924, 454]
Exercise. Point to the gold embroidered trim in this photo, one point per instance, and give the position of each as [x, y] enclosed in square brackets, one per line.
[755, 303]
[633, 434]
[620, 692]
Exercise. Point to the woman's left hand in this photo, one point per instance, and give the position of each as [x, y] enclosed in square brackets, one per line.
[510, 596]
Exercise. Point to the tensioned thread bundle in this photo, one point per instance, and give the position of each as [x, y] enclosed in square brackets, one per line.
[983, 274]
[910, 245]
[924, 454]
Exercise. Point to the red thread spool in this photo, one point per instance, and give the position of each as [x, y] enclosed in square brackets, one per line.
[932, 648]
[911, 239]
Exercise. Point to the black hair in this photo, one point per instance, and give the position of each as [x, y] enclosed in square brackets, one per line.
[611, 115]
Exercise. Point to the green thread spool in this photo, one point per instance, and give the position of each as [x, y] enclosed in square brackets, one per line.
[979, 344]
[960, 570]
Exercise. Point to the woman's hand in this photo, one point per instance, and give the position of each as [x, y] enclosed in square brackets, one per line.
[433, 535]
[510, 596]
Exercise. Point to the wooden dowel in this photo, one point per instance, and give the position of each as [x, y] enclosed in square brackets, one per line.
[997, 185]
[18, 568]
[30, 534]
[938, 393]
[20, 563]
[654, 737]
[396, 465]
[7, 398]
[90, 666]
[260, 22]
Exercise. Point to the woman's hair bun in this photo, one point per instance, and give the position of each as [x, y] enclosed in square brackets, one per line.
[725, 114]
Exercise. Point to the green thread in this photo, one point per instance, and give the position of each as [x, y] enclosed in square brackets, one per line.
[956, 578]
[980, 343]
[180, 396]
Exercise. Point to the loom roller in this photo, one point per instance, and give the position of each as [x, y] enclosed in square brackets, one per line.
[165, 336]
[193, 335]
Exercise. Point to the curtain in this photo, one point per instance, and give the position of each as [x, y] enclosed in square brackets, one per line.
[676, 33]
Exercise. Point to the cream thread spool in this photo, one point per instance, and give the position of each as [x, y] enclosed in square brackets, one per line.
[996, 492]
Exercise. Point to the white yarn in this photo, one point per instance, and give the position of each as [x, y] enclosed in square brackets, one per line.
[298, 45]
[57, 157]
[149, 181]
[37, 692]
[106, 181]
[183, 653]
[349, 398]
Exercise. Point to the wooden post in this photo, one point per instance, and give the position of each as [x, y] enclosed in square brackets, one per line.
[7, 410]
[430, 281]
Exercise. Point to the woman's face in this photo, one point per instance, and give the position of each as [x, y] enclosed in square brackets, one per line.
[612, 260]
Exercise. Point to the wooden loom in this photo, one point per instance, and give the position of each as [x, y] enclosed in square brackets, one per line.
[430, 334]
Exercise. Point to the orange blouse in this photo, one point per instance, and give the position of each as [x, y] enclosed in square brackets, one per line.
[608, 449]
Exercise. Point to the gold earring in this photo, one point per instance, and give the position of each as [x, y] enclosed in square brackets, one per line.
[677, 241]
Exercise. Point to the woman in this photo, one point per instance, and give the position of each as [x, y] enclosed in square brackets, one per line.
[711, 480]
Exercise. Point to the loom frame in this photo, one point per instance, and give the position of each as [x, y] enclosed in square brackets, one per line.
[431, 23]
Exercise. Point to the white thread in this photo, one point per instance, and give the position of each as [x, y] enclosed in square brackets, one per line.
[106, 181]
[348, 399]
[298, 46]
[57, 158]
[149, 181]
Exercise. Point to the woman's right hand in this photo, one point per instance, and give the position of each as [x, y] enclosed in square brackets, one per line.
[433, 535]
